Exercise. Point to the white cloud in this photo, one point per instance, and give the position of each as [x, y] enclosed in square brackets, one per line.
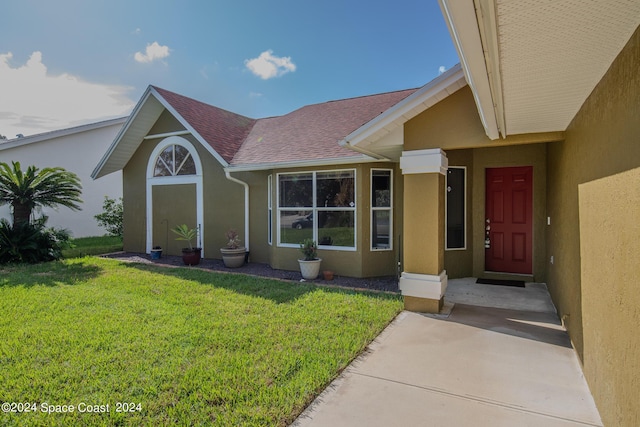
[267, 65]
[152, 52]
[442, 69]
[136, 32]
[33, 101]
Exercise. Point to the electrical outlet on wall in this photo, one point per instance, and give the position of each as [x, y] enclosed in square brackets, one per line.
[551, 260]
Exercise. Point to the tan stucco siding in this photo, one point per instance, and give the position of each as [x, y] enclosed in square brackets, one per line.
[223, 200]
[609, 252]
[453, 123]
[593, 201]
[258, 215]
[223, 204]
[134, 177]
[424, 220]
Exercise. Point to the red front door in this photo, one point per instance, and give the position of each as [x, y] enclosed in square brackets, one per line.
[509, 220]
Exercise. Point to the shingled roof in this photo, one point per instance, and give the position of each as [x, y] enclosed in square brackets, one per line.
[310, 133]
[223, 130]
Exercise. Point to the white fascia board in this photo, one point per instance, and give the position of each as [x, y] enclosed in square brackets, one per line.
[303, 164]
[464, 28]
[17, 142]
[190, 128]
[97, 172]
[411, 102]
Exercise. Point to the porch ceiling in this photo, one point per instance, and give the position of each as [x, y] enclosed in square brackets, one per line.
[542, 58]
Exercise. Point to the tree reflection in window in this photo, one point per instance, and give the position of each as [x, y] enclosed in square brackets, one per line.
[174, 160]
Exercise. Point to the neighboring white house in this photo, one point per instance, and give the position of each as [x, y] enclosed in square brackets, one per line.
[78, 150]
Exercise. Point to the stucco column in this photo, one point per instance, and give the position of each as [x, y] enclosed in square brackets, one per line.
[424, 280]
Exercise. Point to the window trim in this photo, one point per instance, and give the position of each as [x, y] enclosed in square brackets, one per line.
[372, 209]
[270, 209]
[316, 208]
[152, 180]
[446, 210]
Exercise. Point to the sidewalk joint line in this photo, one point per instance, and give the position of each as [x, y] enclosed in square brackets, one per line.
[481, 400]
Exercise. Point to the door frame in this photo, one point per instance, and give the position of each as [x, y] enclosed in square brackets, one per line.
[172, 180]
[531, 246]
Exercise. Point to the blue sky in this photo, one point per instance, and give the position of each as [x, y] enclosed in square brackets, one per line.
[66, 63]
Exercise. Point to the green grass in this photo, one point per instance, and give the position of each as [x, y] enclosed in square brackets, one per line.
[84, 246]
[192, 347]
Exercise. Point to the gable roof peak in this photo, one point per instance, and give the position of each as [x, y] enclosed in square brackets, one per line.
[221, 130]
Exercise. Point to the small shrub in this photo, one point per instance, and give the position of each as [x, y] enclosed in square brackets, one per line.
[233, 240]
[31, 243]
[310, 249]
[111, 217]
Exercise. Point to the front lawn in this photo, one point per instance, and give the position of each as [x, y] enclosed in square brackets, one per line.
[183, 346]
[98, 245]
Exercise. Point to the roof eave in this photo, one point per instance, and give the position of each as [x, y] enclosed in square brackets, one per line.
[190, 128]
[99, 170]
[302, 163]
[434, 91]
[102, 170]
[17, 142]
[463, 25]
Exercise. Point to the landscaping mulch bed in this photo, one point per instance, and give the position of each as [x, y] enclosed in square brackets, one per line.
[386, 283]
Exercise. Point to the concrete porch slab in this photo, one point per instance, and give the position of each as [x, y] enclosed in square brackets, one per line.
[480, 365]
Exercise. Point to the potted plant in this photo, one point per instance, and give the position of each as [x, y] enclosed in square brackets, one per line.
[190, 255]
[310, 264]
[156, 252]
[233, 255]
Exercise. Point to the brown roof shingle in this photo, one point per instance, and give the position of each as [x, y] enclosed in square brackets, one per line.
[223, 130]
[309, 133]
[313, 132]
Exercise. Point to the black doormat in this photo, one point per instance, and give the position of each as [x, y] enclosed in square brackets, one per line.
[516, 283]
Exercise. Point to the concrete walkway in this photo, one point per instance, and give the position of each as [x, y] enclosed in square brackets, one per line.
[496, 356]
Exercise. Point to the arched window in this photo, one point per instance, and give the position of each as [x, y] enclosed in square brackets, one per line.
[174, 160]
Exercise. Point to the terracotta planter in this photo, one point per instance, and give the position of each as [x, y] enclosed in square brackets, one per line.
[233, 258]
[310, 269]
[327, 274]
[191, 256]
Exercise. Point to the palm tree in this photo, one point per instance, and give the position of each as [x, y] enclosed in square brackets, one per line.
[47, 187]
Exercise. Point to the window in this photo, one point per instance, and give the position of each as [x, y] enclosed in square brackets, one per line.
[174, 160]
[270, 208]
[319, 206]
[381, 209]
[456, 208]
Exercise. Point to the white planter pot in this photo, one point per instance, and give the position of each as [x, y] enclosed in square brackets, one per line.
[310, 269]
[233, 258]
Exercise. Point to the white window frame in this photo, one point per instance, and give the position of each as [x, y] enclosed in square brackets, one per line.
[314, 209]
[446, 207]
[270, 209]
[175, 179]
[373, 209]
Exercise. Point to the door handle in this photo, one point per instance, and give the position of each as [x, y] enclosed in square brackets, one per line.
[487, 239]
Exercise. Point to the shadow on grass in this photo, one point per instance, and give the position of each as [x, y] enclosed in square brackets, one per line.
[52, 273]
[276, 290]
